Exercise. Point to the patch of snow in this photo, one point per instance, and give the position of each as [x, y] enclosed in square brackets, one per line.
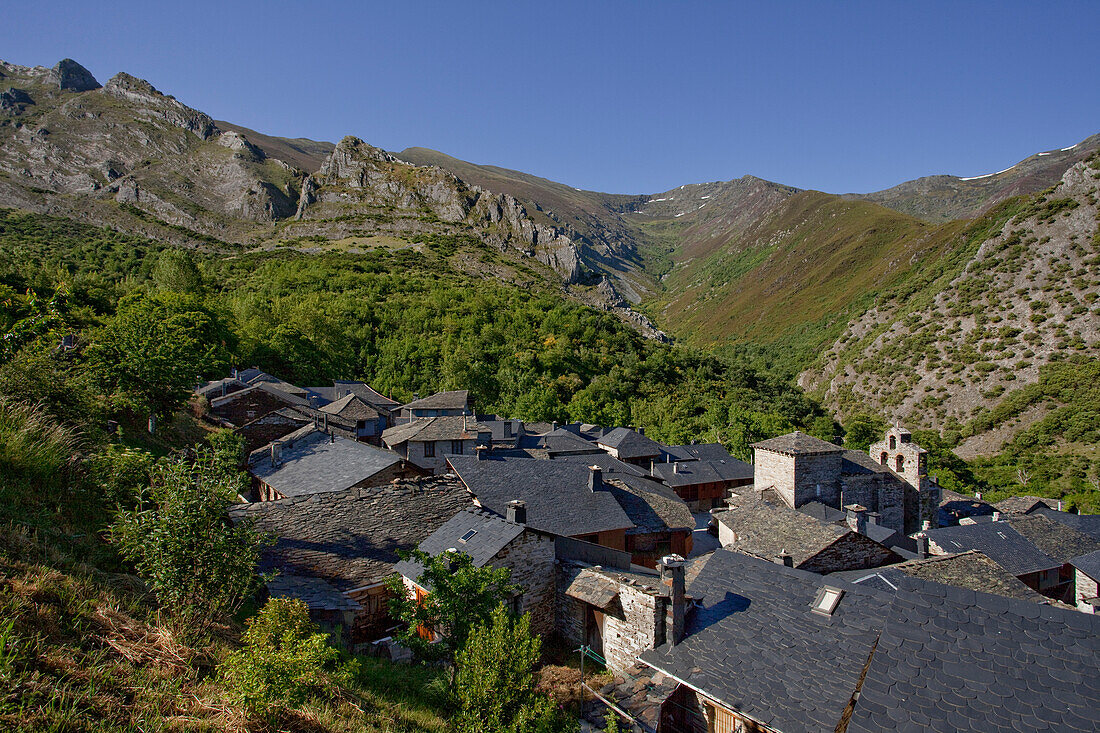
[1041, 154]
[705, 197]
[681, 188]
[680, 214]
[576, 189]
[1006, 170]
[1071, 147]
[974, 178]
[653, 200]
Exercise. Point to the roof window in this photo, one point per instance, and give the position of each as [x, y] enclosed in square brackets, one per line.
[468, 536]
[827, 600]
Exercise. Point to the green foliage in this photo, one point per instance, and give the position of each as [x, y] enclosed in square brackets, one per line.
[283, 660]
[38, 459]
[176, 272]
[150, 355]
[863, 429]
[460, 596]
[199, 566]
[122, 474]
[495, 688]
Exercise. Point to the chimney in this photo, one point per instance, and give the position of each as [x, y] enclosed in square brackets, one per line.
[595, 478]
[873, 518]
[276, 454]
[517, 511]
[673, 585]
[996, 516]
[554, 425]
[234, 372]
[978, 495]
[926, 525]
[653, 468]
[223, 388]
[785, 559]
[324, 421]
[641, 431]
[450, 552]
[479, 451]
[857, 518]
[676, 467]
[922, 547]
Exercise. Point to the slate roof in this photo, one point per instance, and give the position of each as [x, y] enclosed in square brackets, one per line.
[798, 444]
[312, 462]
[496, 429]
[641, 691]
[698, 452]
[351, 407]
[214, 388]
[422, 429]
[970, 569]
[492, 534]
[1024, 504]
[560, 442]
[585, 584]
[756, 646]
[998, 541]
[690, 473]
[368, 394]
[1088, 564]
[857, 462]
[630, 443]
[605, 461]
[1085, 523]
[454, 400]
[955, 506]
[350, 538]
[824, 512]
[1061, 542]
[289, 398]
[317, 593]
[650, 506]
[556, 492]
[950, 659]
[538, 428]
[765, 529]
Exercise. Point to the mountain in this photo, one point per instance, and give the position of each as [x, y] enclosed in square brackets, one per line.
[943, 198]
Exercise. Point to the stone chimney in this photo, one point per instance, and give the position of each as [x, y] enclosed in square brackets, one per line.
[857, 518]
[996, 516]
[922, 547]
[785, 559]
[479, 451]
[641, 431]
[324, 421]
[276, 454]
[676, 467]
[674, 587]
[595, 478]
[517, 511]
[873, 518]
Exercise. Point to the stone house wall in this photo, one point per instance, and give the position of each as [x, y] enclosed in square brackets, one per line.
[373, 619]
[817, 477]
[774, 469]
[637, 625]
[530, 557]
[248, 407]
[882, 493]
[1086, 587]
[851, 551]
[414, 452]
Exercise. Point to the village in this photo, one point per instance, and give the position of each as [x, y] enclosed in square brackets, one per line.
[815, 588]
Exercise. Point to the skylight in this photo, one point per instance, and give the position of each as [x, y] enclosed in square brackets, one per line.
[468, 536]
[827, 600]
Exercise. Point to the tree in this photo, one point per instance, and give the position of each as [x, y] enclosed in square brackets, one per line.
[495, 689]
[200, 567]
[176, 272]
[151, 354]
[283, 661]
[862, 430]
[460, 596]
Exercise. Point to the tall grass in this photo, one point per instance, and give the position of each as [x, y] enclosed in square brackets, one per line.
[34, 446]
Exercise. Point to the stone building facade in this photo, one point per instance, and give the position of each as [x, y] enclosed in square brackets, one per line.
[530, 557]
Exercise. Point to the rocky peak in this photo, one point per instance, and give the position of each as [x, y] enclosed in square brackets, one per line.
[72, 77]
[240, 145]
[152, 102]
[350, 162]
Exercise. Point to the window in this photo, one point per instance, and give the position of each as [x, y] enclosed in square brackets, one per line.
[884, 459]
[901, 463]
[468, 536]
[456, 447]
[827, 600]
[893, 442]
[429, 449]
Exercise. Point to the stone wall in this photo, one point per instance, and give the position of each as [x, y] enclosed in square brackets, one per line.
[851, 551]
[817, 477]
[437, 463]
[878, 492]
[530, 557]
[774, 469]
[248, 407]
[636, 626]
[1085, 587]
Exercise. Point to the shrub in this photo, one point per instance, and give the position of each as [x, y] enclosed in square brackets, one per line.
[284, 660]
[199, 566]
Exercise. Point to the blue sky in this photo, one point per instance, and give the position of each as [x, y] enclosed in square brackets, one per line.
[630, 97]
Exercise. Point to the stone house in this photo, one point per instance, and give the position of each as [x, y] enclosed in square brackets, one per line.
[426, 442]
[282, 422]
[441, 404]
[343, 545]
[340, 389]
[1087, 582]
[760, 524]
[499, 542]
[802, 468]
[630, 446]
[618, 613]
[253, 402]
[366, 420]
[1059, 541]
[771, 648]
[704, 484]
[663, 523]
[311, 461]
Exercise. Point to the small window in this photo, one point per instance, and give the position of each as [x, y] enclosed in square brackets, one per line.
[884, 459]
[901, 463]
[893, 442]
[468, 536]
[456, 447]
[827, 600]
[429, 449]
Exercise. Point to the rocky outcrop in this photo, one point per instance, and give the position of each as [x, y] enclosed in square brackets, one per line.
[72, 77]
[150, 103]
[15, 100]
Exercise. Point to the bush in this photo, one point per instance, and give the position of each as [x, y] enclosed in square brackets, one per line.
[200, 567]
[284, 661]
[495, 687]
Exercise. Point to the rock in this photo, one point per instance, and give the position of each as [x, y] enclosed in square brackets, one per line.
[72, 77]
[15, 100]
[155, 105]
[238, 142]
